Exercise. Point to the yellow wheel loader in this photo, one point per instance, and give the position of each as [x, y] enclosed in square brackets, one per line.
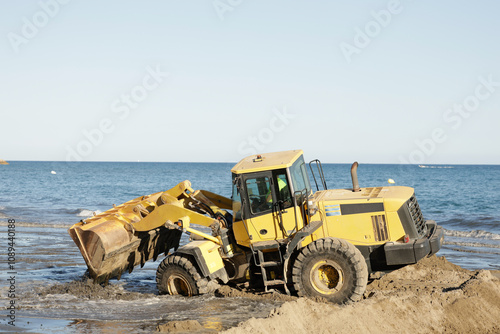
[275, 231]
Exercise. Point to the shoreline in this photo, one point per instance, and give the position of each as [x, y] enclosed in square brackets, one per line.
[432, 296]
[434, 289]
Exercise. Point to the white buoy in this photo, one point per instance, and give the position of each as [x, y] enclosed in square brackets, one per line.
[391, 181]
[53, 172]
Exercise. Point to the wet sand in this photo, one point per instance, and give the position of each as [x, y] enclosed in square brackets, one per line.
[433, 296]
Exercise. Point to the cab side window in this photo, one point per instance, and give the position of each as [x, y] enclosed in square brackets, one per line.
[283, 189]
[258, 190]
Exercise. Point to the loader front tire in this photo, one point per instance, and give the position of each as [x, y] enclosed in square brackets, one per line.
[330, 268]
[177, 275]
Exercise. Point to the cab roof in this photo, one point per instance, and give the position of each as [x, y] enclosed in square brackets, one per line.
[266, 161]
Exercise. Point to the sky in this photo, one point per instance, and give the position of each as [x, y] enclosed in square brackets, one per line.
[216, 80]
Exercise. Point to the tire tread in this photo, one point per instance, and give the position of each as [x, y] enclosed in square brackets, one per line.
[187, 265]
[343, 249]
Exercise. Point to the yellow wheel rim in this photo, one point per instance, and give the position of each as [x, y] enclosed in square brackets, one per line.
[178, 285]
[326, 277]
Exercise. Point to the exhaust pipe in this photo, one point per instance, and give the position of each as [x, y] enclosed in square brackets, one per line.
[354, 176]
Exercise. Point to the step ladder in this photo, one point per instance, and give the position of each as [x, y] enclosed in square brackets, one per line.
[259, 249]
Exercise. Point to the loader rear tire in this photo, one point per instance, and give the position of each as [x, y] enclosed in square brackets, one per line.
[330, 268]
[177, 275]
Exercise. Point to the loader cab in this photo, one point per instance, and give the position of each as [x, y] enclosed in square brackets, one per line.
[269, 192]
[265, 191]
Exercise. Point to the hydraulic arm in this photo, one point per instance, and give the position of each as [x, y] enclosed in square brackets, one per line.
[136, 231]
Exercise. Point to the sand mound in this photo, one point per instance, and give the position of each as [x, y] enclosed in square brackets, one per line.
[86, 289]
[225, 291]
[180, 327]
[433, 296]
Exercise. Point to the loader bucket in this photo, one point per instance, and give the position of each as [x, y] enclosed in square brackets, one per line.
[134, 232]
[109, 249]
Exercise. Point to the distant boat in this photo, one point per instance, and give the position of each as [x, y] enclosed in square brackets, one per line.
[3, 162]
[53, 172]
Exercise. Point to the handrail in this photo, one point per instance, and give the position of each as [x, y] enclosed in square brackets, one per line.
[320, 172]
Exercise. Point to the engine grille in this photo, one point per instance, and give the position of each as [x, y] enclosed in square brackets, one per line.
[380, 228]
[416, 216]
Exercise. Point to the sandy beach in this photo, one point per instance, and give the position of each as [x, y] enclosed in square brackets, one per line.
[433, 296]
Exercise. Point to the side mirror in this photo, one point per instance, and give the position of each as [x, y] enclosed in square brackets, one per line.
[236, 181]
[280, 206]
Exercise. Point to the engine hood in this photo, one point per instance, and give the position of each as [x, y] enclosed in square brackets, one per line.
[393, 196]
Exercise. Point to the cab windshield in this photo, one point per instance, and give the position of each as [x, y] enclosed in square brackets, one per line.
[300, 180]
[236, 197]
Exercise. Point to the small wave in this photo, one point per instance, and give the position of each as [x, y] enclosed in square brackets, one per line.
[87, 213]
[24, 224]
[426, 166]
[472, 244]
[3, 215]
[472, 234]
[72, 211]
[463, 250]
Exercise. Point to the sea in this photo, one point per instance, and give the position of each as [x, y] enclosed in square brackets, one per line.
[46, 198]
